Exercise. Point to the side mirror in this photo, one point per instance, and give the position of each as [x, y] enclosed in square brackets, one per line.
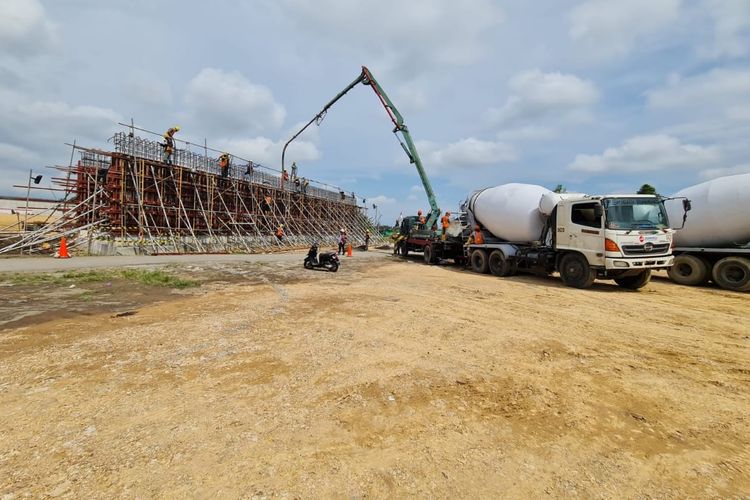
[686, 205]
[598, 211]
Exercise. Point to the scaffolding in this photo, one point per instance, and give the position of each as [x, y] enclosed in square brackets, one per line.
[130, 201]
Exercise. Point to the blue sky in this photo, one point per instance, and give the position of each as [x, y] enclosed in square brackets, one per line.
[600, 96]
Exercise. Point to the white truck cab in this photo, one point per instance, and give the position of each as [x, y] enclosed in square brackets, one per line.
[615, 233]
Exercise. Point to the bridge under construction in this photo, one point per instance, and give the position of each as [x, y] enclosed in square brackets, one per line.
[129, 201]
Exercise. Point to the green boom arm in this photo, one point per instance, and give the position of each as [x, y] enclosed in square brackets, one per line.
[400, 130]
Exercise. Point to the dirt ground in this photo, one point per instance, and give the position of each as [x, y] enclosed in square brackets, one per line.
[386, 379]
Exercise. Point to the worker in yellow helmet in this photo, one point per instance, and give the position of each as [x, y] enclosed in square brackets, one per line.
[169, 144]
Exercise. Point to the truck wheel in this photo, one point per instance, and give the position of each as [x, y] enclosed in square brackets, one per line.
[576, 272]
[689, 270]
[499, 265]
[733, 273]
[479, 261]
[429, 255]
[635, 282]
[404, 250]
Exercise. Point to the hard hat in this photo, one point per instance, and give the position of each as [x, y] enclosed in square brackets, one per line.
[341, 230]
[281, 225]
[176, 128]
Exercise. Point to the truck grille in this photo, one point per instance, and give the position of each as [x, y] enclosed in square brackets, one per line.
[646, 249]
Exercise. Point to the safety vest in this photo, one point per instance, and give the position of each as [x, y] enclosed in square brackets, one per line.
[224, 161]
[478, 238]
[422, 220]
[446, 221]
[279, 233]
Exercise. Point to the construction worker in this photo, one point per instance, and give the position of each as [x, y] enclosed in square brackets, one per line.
[342, 242]
[249, 170]
[478, 236]
[280, 232]
[367, 239]
[422, 220]
[224, 164]
[445, 222]
[169, 144]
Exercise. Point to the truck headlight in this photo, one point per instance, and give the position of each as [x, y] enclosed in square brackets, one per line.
[621, 263]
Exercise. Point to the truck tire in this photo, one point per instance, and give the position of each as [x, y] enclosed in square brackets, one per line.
[689, 270]
[635, 282]
[576, 272]
[732, 273]
[404, 250]
[479, 262]
[499, 265]
[429, 255]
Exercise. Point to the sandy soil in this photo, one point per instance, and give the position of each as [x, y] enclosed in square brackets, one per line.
[386, 379]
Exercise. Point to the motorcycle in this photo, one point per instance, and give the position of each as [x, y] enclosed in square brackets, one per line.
[326, 260]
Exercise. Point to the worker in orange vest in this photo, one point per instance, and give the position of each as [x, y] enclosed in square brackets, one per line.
[446, 222]
[422, 220]
[478, 236]
[224, 164]
[280, 232]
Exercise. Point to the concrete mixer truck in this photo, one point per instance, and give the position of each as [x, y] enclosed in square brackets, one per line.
[714, 244]
[531, 229]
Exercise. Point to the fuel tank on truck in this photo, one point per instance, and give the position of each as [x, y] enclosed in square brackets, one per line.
[510, 211]
[720, 214]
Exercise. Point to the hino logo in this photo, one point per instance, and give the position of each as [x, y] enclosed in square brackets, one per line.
[648, 247]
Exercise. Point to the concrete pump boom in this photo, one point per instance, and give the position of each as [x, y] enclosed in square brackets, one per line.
[400, 130]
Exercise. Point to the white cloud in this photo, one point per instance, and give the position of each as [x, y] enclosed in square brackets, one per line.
[13, 154]
[407, 36]
[268, 152]
[381, 200]
[37, 123]
[720, 91]
[712, 173]
[731, 29]
[149, 90]
[24, 28]
[227, 103]
[647, 153]
[465, 153]
[605, 28]
[536, 95]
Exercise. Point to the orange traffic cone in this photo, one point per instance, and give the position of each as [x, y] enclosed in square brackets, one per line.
[63, 249]
[349, 250]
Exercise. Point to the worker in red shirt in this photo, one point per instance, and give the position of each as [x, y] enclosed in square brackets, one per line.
[445, 222]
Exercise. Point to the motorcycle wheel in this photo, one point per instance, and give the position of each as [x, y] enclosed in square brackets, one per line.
[334, 267]
[308, 264]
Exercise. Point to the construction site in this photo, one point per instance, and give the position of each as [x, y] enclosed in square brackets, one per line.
[178, 321]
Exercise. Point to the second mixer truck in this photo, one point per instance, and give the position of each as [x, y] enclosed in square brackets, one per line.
[529, 228]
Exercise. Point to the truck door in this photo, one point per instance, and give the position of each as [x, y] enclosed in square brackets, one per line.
[584, 229]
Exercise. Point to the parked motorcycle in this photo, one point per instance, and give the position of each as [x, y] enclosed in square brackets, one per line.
[326, 260]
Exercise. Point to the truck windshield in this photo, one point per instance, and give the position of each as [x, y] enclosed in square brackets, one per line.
[635, 213]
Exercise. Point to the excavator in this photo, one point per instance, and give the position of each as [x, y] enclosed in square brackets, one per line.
[416, 236]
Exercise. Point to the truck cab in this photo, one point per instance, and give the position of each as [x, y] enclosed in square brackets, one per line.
[619, 236]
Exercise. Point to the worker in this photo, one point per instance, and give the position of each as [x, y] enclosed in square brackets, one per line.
[224, 164]
[280, 232]
[478, 236]
[169, 144]
[249, 170]
[367, 239]
[446, 222]
[422, 220]
[342, 241]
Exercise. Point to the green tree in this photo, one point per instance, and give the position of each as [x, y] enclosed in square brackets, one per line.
[647, 189]
[560, 189]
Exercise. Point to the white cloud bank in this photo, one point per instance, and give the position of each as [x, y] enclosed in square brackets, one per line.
[647, 153]
[606, 28]
[536, 95]
[24, 28]
[226, 102]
